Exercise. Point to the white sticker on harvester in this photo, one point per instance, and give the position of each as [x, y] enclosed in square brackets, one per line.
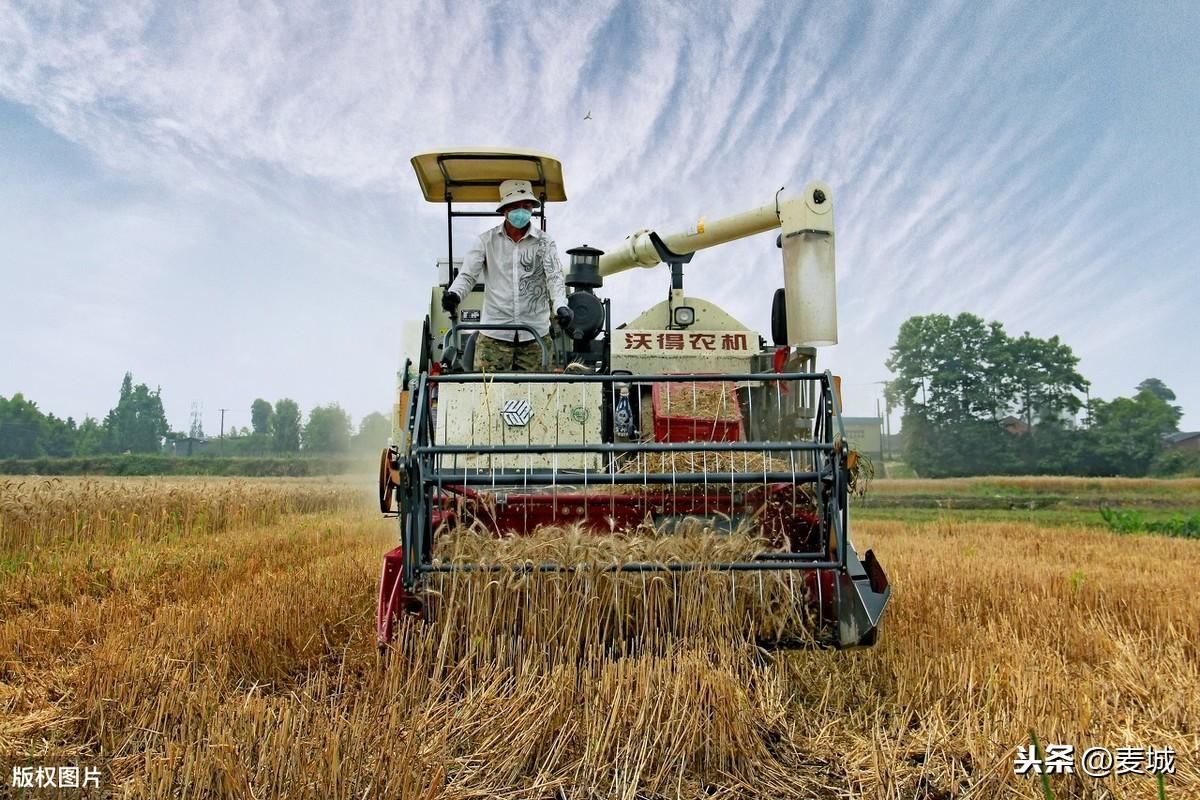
[517, 413]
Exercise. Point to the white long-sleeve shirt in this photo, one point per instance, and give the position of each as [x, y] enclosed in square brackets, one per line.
[521, 279]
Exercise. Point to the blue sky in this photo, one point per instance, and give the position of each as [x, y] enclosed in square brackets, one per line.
[218, 197]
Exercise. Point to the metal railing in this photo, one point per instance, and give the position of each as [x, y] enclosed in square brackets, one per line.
[458, 327]
[434, 472]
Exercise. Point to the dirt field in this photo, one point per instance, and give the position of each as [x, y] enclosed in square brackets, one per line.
[214, 639]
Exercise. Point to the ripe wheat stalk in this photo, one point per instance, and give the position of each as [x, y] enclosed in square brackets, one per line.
[233, 656]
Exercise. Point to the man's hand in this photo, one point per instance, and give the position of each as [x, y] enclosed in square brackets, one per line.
[450, 301]
[564, 315]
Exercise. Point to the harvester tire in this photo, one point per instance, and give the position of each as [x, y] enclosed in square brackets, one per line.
[389, 481]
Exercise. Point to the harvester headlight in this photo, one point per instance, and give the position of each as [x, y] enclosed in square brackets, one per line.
[684, 316]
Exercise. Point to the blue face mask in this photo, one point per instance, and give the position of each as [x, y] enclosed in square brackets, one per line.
[519, 217]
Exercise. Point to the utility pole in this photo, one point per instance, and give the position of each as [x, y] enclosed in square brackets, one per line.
[888, 423]
[886, 417]
[223, 410]
[884, 447]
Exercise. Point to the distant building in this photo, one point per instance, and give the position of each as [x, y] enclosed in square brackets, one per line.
[1185, 440]
[865, 434]
[187, 446]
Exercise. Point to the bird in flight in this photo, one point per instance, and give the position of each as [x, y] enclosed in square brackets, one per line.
[588, 115]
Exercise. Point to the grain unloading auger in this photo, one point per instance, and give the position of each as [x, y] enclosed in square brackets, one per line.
[681, 413]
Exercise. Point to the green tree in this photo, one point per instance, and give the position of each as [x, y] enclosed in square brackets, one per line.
[286, 433]
[1044, 379]
[1127, 433]
[60, 436]
[1044, 385]
[971, 447]
[950, 370]
[958, 377]
[23, 428]
[1163, 392]
[138, 423]
[327, 430]
[261, 415]
[954, 384]
[1157, 388]
[1176, 462]
[373, 432]
[92, 439]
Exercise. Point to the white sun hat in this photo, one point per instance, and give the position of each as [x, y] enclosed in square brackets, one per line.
[514, 191]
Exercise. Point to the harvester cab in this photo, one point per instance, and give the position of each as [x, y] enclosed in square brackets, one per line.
[680, 413]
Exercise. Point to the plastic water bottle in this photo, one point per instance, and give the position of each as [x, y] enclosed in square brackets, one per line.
[623, 416]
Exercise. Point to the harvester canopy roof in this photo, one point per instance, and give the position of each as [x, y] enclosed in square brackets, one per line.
[474, 174]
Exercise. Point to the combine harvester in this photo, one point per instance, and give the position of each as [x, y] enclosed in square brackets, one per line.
[618, 438]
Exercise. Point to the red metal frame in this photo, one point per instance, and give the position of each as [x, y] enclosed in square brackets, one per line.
[783, 513]
[392, 597]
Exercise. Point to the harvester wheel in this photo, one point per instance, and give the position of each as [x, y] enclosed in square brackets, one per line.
[389, 480]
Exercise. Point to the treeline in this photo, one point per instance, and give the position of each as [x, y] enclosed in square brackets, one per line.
[135, 425]
[977, 401]
[138, 425]
[277, 429]
[144, 464]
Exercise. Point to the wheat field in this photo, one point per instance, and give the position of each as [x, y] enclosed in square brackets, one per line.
[214, 638]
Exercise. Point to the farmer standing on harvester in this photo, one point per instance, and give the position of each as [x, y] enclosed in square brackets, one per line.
[523, 276]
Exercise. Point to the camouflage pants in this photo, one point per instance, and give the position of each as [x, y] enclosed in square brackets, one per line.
[493, 355]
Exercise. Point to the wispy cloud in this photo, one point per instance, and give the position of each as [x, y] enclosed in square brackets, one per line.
[972, 149]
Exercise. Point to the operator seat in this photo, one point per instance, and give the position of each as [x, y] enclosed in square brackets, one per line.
[468, 354]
